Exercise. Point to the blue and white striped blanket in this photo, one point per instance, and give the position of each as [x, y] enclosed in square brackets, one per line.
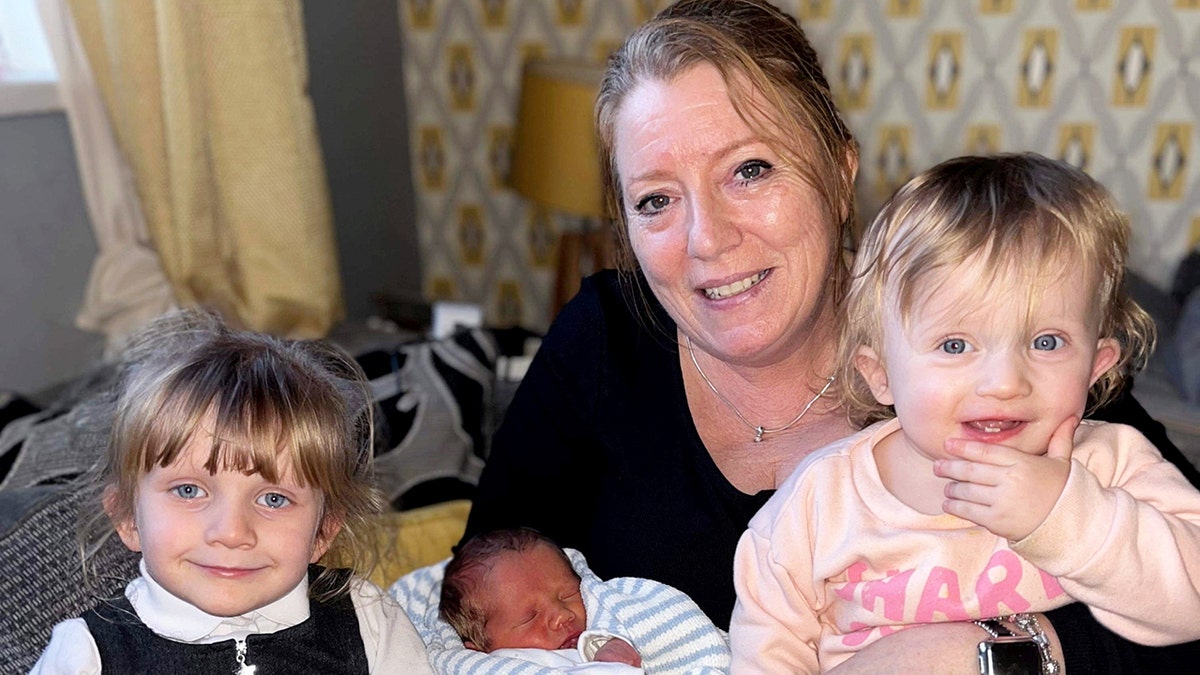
[669, 631]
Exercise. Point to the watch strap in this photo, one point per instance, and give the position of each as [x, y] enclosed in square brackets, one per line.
[994, 627]
[1031, 629]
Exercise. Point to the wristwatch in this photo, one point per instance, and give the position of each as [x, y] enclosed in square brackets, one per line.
[1006, 653]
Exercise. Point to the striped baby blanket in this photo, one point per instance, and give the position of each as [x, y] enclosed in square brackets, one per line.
[669, 631]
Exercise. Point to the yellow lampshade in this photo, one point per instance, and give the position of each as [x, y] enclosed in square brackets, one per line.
[554, 150]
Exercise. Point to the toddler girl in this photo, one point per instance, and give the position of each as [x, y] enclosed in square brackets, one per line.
[985, 305]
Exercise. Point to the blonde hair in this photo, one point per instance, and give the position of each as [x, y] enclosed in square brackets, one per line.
[754, 46]
[1021, 214]
[264, 396]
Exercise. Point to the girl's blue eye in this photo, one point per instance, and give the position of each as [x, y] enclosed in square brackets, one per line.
[1047, 343]
[752, 169]
[274, 500]
[652, 203]
[188, 491]
[955, 346]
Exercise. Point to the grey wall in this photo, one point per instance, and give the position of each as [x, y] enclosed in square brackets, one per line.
[46, 252]
[357, 86]
[46, 241]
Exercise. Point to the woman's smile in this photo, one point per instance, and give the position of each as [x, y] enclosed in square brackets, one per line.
[735, 288]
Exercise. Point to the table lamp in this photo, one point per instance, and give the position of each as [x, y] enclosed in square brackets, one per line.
[555, 162]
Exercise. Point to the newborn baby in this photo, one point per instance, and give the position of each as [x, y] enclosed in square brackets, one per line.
[515, 590]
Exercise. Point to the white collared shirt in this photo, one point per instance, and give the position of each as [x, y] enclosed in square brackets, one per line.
[391, 642]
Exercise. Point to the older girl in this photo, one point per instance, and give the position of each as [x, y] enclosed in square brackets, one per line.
[236, 461]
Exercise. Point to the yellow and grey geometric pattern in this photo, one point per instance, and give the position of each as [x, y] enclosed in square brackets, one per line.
[1112, 86]
[480, 241]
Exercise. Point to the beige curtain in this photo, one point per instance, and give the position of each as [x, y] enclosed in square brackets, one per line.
[208, 101]
[126, 287]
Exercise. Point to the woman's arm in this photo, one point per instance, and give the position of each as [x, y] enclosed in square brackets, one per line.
[934, 649]
[950, 649]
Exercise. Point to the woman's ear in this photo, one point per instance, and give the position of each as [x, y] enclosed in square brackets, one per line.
[1108, 352]
[125, 525]
[872, 369]
[330, 527]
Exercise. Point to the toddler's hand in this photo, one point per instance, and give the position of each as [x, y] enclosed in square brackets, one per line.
[617, 650]
[1003, 489]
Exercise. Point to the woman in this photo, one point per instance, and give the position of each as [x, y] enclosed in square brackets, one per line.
[661, 413]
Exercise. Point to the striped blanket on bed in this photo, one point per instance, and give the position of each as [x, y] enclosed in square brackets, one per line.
[669, 630]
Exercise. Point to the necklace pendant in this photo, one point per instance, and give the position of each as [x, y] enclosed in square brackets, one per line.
[243, 667]
[758, 430]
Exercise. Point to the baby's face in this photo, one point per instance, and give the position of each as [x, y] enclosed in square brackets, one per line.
[1007, 369]
[532, 599]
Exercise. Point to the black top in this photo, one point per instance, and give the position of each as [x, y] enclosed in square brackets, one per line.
[599, 452]
[328, 641]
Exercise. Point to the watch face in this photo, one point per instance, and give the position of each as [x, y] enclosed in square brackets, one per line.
[1009, 656]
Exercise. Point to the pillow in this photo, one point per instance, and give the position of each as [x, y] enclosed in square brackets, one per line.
[417, 538]
[61, 443]
[16, 416]
[42, 581]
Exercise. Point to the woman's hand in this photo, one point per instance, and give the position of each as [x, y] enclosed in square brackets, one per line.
[930, 649]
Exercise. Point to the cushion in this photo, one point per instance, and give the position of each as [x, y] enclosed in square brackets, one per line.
[42, 581]
[59, 444]
[417, 538]
[16, 416]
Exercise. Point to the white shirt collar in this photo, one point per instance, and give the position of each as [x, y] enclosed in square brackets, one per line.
[177, 619]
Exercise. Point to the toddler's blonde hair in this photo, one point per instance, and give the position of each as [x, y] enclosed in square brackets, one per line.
[1027, 218]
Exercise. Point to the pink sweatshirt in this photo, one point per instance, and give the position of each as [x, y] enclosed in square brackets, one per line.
[834, 561]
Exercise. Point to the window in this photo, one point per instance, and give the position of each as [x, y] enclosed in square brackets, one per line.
[28, 79]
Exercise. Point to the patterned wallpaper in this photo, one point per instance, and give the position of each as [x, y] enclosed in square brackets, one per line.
[480, 241]
[1112, 86]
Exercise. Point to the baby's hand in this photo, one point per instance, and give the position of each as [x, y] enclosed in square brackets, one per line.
[1003, 489]
[617, 650]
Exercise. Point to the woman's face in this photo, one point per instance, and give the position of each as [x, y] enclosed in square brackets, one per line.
[734, 243]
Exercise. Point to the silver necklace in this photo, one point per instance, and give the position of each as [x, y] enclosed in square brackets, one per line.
[758, 429]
